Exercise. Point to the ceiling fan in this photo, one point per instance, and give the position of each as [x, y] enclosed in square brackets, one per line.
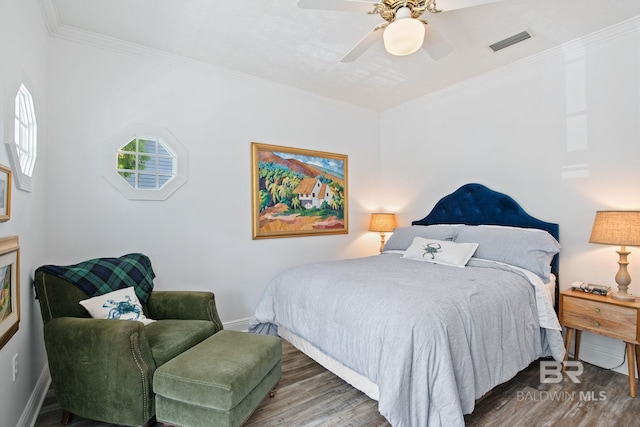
[404, 32]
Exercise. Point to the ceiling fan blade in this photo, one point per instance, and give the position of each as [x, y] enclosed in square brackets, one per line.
[341, 5]
[364, 44]
[435, 45]
[445, 5]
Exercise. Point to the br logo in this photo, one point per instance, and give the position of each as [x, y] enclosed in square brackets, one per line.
[551, 372]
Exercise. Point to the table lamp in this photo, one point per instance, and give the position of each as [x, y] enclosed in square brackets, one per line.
[382, 223]
[620, 228]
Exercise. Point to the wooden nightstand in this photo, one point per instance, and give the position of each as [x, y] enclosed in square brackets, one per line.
[581, 311]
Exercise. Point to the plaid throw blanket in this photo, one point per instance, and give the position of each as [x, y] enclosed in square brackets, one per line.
[103, 275]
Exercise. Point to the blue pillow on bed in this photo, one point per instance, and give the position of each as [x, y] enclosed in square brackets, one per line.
[526, 248]
[402, 237]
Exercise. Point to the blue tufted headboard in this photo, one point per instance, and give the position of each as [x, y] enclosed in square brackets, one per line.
[475, 204]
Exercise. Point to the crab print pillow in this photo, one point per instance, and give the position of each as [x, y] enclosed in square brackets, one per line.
[121, 304]
[440, 251]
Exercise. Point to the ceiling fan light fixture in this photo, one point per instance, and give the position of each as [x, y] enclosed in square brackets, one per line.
[405, 35]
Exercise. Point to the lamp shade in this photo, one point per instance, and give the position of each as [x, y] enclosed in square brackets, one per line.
[620, 228]
[382, 222]
[405, 35]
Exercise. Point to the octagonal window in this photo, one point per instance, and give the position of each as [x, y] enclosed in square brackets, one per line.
[150, 163]
[22, 138]
[146, 163]
[26, 131]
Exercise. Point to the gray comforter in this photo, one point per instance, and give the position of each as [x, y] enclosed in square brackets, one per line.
[433, 338]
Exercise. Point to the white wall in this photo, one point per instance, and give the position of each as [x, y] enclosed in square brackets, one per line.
[23, 53]
[200, 237]
[559, 133]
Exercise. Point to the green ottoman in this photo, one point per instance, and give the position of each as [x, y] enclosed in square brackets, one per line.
[219, 382]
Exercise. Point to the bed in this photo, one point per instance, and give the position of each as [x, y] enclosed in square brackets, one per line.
[457, 303]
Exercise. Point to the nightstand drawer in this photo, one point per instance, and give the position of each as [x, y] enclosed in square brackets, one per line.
[601, 318]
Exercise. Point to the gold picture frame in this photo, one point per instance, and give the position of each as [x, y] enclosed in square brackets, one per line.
[298, 192]
[5, 193]
[9, 288]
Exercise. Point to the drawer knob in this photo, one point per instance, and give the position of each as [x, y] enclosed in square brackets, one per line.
[597, 310]
[597, 324]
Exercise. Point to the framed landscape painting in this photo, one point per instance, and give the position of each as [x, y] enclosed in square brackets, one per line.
[9, 288]
[297, 192]
[5, 193]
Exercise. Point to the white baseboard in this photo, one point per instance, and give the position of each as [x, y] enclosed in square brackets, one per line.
[31, 411]
[241, 325]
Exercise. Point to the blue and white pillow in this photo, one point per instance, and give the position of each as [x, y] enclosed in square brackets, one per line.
[122, 304]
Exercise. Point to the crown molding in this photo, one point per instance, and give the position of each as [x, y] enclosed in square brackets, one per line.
[50, 13]
[566, 51]
[65, 32]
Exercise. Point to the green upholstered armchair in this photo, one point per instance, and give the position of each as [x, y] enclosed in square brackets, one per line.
[103, 369]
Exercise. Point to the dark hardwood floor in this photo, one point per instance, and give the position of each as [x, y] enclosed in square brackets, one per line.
[308, 395]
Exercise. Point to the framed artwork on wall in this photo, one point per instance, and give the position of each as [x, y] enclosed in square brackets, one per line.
[297, 192]
[5, 193]
[9, 288]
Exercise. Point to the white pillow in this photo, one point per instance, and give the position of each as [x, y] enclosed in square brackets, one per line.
[440, 251]
[122, 304]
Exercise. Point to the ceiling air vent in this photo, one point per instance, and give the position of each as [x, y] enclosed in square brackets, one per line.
[510, 41]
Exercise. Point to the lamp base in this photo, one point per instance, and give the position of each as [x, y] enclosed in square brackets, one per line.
[381, 242]
[619, 296]
[623, 279]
